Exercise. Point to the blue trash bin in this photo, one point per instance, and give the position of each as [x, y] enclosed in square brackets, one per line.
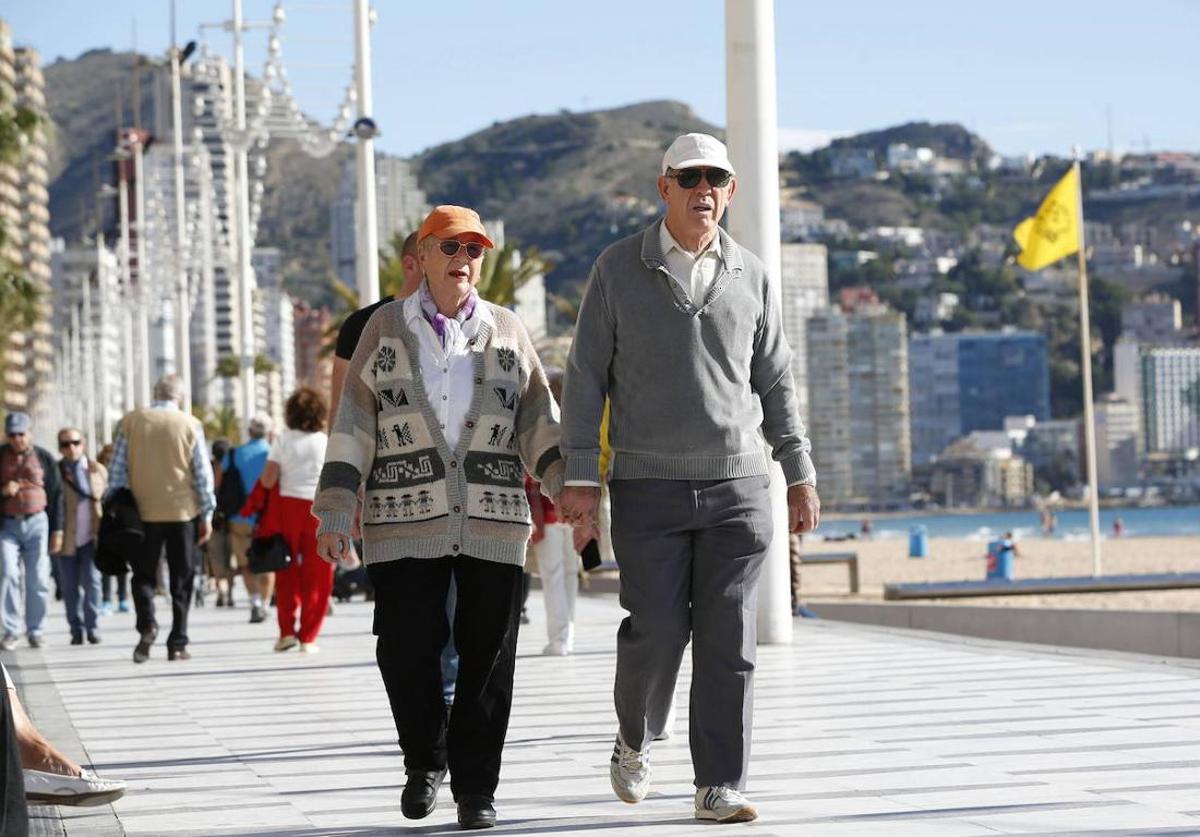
[1000, 561]
[918, 542]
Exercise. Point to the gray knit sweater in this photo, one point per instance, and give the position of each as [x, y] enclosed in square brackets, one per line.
[422, 499]
[690, 386]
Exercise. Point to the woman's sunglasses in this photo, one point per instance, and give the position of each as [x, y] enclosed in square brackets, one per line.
[690, 178]
[451, 246]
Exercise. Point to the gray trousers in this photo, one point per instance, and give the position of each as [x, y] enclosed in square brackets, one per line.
[690, 553]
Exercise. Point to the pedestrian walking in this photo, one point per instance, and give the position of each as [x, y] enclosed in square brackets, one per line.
[248, 461]
[220, 566]
[294, 464]
[31, 502]
[110, 582]
[84, 482]
[445, 407]
[680, 329]
[161, 456]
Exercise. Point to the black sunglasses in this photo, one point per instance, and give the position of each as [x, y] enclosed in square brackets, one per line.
[451, 246]
[69, 443]
[690, 178]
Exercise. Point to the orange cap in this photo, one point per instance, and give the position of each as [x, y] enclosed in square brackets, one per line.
[448, 221]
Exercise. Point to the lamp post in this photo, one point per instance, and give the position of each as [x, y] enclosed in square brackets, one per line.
[752, 134]
[367, 239]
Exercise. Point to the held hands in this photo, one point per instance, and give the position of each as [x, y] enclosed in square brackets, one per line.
[804, 508]
[579, 505]
[337, 548]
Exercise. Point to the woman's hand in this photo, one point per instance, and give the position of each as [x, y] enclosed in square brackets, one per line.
[337, 548]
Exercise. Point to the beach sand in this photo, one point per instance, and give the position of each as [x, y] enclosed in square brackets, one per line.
[956, 559]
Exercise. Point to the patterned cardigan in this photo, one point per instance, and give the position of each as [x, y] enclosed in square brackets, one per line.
[422, 499]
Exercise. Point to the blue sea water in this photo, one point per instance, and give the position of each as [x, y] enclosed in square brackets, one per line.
[1072, 524]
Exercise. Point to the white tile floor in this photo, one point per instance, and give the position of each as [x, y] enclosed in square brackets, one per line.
[858, 731]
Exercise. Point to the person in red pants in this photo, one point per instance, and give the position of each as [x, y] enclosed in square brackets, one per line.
[294, 464]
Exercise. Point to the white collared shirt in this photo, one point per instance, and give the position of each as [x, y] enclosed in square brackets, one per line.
[693, 272]
[448, 374]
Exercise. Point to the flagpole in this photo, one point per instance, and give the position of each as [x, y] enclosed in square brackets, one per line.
[1089, 424]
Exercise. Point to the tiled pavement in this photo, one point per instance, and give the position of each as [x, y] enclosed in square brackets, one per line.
[858, 731]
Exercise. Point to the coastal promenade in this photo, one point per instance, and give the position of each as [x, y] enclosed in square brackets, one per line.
[858, 731]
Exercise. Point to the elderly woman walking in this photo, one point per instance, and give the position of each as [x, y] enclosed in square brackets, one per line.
[444, 409]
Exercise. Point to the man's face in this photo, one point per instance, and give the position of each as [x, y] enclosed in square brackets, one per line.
[694, 212]
[458, 272]
[20, 442]
[70, 445]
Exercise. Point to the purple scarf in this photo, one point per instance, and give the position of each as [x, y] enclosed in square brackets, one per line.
[439, 320]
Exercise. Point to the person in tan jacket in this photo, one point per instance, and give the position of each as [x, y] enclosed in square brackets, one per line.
[84, 482]
[162, 457]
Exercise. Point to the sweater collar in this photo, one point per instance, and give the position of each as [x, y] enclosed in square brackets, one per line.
[654, 257]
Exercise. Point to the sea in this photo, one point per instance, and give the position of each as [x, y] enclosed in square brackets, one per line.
[1072, 524]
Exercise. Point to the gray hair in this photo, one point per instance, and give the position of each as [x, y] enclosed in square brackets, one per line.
[259, 427]
[169, 388]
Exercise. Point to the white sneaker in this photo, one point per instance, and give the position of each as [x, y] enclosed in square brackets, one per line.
[555, 649]
[285, 643]
[42, 788]
[309, 648]
[629, 772]
[723, 804]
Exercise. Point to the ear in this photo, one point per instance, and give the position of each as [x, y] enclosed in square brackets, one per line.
[664, 183]
[732, 189]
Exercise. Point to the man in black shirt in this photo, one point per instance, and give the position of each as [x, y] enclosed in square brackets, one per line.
[352, 328]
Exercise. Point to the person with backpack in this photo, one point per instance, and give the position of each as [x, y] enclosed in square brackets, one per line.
[240, 469]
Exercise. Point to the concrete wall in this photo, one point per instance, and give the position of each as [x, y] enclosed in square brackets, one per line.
[1168, 634]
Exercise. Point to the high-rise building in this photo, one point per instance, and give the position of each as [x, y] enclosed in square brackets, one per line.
[1170, 382]
[25, 214]
[972, 381]
[859, 404]
[804, 288]
[86, 282]
[1118, 441]
[275, 335]
[400, 206]
[313, 365]
[1155, 318]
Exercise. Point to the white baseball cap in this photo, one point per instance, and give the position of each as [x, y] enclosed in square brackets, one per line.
[697, 150]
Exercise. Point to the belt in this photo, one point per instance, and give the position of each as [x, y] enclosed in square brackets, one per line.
[21, 516]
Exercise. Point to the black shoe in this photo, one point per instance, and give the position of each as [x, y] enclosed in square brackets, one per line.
[178, 654]
[258, 614]
[93, 638]
[419, 797]
[141, 652]
[476, 812]
[77, 639]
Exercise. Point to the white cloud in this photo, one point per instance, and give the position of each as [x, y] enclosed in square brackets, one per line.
[807, 139]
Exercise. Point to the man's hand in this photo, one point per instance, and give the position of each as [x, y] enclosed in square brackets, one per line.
[579, 505]
[203, 531]
[337, 548]
[56, 543]
[11, 488]
[804, 508]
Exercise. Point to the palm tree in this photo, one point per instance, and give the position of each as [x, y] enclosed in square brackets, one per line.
[505, 270]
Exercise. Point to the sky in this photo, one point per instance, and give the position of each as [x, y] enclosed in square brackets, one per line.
[1027, 76]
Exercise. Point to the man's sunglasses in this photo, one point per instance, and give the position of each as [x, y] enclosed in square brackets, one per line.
[451, 246]
[69, 443]
[690, 178]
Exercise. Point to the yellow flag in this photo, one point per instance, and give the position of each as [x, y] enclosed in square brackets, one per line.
[1053, 233]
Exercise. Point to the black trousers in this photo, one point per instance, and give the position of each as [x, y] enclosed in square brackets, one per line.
[179, 541]
[412, 628]
[14, 817]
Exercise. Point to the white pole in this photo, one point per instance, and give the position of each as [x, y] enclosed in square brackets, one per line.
[88, 333]
[183, 348]
[145, 369]
[129, 397]
[751, 114]
[367, 239]
[1089, 419]
[245, 272]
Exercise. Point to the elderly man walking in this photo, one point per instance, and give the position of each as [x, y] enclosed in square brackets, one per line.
[161, 456]
[31, 503]
[680, 329]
